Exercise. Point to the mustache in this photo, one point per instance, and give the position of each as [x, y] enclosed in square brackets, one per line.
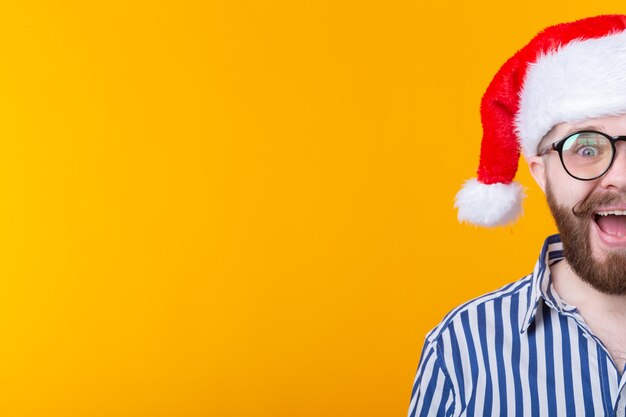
[586, 207]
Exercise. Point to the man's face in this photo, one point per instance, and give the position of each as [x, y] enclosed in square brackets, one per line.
[593, 234]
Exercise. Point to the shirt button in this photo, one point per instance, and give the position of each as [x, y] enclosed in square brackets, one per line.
[620, 413]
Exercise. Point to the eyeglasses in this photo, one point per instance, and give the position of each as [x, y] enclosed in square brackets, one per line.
[586, 155]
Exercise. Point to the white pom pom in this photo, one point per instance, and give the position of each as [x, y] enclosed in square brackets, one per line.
[489, 204]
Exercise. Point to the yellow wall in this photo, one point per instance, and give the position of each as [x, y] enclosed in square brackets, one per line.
[239, 208]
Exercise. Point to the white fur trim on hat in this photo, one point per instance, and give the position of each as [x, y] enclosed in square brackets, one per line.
[581, 80]
[489, 204]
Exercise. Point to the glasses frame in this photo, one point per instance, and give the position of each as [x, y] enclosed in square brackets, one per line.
[558, 147]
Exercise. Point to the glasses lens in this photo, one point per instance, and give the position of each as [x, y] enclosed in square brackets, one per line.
[587, 155]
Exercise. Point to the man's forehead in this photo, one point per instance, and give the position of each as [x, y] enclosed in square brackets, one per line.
[612, 125]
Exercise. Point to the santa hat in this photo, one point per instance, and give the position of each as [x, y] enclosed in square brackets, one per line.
[567, 73]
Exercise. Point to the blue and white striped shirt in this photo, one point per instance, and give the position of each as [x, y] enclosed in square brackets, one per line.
[518, 351]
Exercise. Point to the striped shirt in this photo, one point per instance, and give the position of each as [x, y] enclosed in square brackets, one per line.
[518, 351]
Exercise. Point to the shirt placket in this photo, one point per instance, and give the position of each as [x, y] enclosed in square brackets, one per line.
[620, 403]
[556, 303]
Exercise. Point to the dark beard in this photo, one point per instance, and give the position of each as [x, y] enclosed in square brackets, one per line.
[607, 275]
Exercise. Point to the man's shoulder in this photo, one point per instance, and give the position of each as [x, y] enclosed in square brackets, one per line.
[504, 304]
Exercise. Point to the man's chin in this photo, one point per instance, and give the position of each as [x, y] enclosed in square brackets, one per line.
[596, 258]
[596, 261]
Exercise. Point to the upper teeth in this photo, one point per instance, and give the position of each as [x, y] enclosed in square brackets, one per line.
[614, 212]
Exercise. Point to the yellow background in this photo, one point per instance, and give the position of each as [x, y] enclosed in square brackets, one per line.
[243, 208]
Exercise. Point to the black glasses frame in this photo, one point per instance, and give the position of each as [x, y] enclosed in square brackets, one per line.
[558, 147]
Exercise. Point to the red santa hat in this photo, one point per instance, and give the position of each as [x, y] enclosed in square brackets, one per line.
[567, 73]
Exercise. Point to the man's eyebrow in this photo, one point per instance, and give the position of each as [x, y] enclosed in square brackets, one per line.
[565, 134]
[580, 129]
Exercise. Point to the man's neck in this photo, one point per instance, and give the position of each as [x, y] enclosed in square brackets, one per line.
[576, 292]
[604, 314]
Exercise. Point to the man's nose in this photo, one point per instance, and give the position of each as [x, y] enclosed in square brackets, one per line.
[616, 175]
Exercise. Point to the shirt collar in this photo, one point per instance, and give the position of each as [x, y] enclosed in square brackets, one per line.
[541, 282]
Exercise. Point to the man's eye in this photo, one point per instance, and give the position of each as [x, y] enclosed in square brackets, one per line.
[587, 151]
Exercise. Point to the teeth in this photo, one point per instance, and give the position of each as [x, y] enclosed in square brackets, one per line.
[618, 234]
[613, 212]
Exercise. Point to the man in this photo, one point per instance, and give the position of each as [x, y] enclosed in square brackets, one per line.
[554, 342]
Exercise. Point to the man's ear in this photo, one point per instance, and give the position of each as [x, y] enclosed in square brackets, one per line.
[537, 167]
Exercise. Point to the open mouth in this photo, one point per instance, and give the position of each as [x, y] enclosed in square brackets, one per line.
[611, 222]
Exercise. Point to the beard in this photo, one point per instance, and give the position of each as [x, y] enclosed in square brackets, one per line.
[607, 275]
